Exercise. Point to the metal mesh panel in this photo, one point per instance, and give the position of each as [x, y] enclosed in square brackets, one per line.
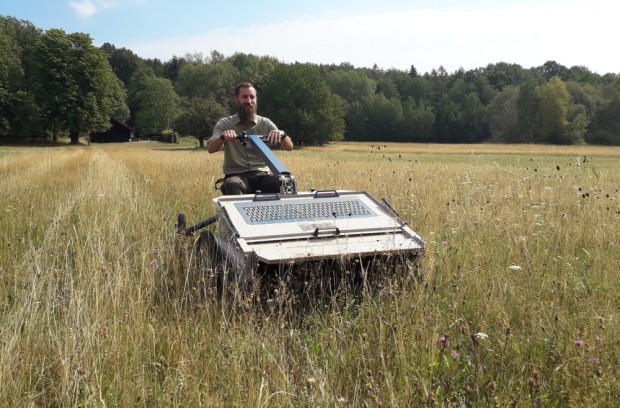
[276, 212]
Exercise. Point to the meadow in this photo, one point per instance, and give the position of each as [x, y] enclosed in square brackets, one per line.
[516, 302]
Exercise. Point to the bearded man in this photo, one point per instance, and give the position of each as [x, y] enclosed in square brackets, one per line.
[245, 171]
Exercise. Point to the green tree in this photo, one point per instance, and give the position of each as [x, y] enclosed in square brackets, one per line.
[501, 115]
[157, 105]
[552, 69]
[351, 85]
[299, 100]
[502, 74]
[198, 117]
[419, 89]
[125, 64]
[207, 81]
[473, 112]
[450, 120]
[555, 101]
[357, 92]
[587, 94]
[385, 118]
[583, 75]
[252, 68]
[8, 62]
[387, 87]
[605, 126]
[75, 85]
[19, 114]
[418, 122]
[528, 113]
[578, 121]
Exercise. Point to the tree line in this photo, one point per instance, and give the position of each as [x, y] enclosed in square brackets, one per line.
[53, 83]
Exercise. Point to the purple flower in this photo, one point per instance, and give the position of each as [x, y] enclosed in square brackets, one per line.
[595, 361]
[443, 341]
[454, 354]
[579, 343]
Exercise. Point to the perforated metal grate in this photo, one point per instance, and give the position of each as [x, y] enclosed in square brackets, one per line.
[278, 212]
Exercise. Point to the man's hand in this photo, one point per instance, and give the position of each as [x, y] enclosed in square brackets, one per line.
[230, 136]
[274, 136]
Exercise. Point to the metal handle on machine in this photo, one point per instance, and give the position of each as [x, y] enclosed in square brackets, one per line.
[266, 197]
[318, 230]
[326, 194]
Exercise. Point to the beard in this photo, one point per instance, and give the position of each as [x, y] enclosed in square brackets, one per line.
[247, 113]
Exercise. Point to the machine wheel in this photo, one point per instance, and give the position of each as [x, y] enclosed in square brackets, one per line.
[212, 262]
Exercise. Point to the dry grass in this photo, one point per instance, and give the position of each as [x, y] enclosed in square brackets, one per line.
[99, 307]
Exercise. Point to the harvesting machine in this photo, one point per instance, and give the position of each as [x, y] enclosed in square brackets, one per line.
[314, 231]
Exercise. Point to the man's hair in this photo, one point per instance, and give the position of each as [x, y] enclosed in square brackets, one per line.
[242, 85]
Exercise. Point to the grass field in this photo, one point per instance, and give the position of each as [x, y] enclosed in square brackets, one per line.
[517, 303]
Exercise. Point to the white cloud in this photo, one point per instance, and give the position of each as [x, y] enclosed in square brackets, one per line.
[83, 8]
[527, 35]
[87, 8]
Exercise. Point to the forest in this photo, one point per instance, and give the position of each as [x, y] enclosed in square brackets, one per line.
[55, 84]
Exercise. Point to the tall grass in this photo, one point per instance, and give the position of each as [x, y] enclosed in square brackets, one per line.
[517, 303]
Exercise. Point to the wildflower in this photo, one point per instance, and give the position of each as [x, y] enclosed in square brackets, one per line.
[515, 267]
[443, 341]
[595, 361]
[454, 354]
[445, 243]
[492, 385]
[481, 336]
[579, 343]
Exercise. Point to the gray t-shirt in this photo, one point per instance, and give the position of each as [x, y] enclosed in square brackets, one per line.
[239, 158]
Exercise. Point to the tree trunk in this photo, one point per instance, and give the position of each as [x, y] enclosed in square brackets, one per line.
[74, 136]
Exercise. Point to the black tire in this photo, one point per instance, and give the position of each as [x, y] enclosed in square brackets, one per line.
[212, 263]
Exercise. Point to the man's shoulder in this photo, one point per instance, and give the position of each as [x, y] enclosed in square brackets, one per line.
[234, 119]
[264, 121]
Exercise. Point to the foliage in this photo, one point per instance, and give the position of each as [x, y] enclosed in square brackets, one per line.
[300, 102]
[126, 65]
[554, 105]
[19, 116]
[207, 81]
[158, 105]
[75, 86]
[501, 114]
[606, 126]
[198, 117]
[253, 68]
[387, 105]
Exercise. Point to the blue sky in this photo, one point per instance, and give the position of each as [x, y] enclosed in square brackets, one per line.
[389, 33]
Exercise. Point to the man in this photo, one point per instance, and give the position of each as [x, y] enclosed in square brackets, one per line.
[245, 171]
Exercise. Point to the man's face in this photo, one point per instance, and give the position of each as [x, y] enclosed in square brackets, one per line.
[247, 102]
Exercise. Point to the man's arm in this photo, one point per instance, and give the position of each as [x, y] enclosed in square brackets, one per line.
[274, 137]
[215, 143]
[286, 143]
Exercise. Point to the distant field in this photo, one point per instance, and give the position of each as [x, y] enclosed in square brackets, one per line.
[517, 303]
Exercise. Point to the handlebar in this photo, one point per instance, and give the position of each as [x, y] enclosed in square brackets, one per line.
[244, 137]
